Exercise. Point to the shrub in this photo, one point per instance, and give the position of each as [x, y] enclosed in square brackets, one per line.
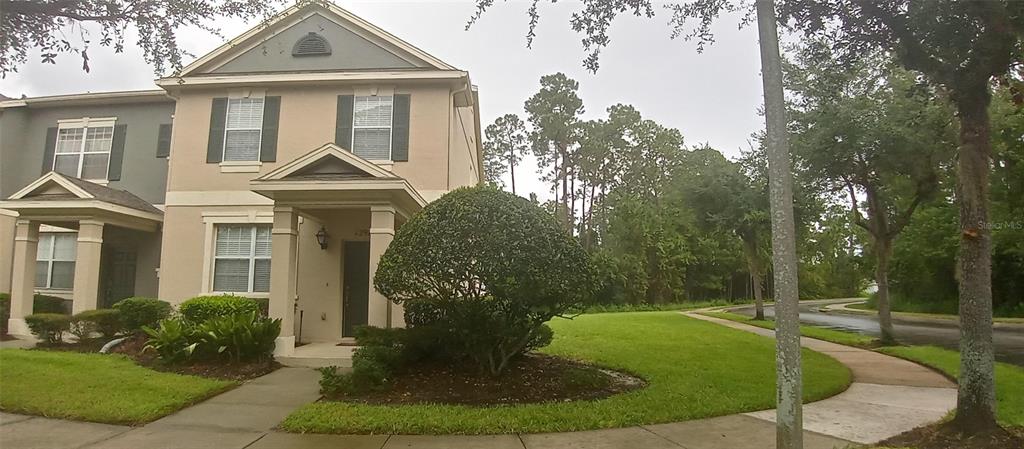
[239, 337]
[486, 269]
[202, 308]
[370, 372]
[174, 340]
[105, 321]
[137, 312]
[49, 327]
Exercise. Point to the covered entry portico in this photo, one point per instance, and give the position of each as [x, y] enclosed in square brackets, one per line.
[110, 224]
[322, 290]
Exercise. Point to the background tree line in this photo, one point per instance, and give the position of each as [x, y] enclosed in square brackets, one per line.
[874, 150]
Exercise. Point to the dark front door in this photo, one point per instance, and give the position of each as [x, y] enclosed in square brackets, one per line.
[120, 276]
[355, 296]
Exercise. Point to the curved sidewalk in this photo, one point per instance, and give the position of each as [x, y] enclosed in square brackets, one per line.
[889, 396]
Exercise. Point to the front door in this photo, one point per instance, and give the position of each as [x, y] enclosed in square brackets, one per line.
[355, 298]
[119, 282]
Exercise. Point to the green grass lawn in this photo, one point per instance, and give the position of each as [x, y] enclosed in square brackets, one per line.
[1009, 378]
[821, 333]
[695, 369]
[94, 387]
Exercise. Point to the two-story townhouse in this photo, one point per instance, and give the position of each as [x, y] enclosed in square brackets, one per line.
[67, 165]
[297, 149]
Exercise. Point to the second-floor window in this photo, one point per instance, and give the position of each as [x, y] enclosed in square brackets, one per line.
[371, 127]
[83, 149]
[55, 260]
[242, 259]
[243, 129]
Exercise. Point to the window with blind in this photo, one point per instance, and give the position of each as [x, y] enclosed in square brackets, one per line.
[83, 151]
[242, 259]
[371, 127]
[55, 260]
[243, 129]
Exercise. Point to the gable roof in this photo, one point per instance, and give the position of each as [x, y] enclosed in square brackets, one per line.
[328, 162]
[251, 40]
[55, 186]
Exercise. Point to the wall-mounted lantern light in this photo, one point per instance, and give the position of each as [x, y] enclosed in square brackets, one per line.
[321, 237]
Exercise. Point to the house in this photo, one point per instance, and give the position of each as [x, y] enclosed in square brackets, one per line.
[277, 166]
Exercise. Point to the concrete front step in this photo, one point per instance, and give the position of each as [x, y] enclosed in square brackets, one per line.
[315, 362]
[319, 355]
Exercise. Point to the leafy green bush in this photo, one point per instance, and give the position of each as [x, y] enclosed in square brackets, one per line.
[48, 304]
[202, 308]
[240, 337]
[486, 269]
[137, 312]
[174, 340]
[49, 327]
[381, 353]
[105, 321]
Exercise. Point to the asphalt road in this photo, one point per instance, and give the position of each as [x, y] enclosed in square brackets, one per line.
[1009, 343]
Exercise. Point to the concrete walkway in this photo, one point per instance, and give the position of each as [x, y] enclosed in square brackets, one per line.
[888, 396]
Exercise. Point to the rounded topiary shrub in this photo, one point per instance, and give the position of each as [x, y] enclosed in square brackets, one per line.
[48, 304]
[202, 308]
[136, 312]
[49, 327]
[489, 269]
[105, 321]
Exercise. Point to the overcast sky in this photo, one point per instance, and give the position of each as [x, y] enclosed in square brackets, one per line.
[711, 97]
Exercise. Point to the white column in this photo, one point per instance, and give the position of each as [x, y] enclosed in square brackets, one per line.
[284, 253]
[23, 276]
[382, 232]
[88, 255]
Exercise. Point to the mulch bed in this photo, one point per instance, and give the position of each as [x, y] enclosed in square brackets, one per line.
[947, 436]
[534, 379]
[134, 347]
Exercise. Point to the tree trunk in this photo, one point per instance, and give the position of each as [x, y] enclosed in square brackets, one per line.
[975, 410]
[883, 253]
[754, 266]
[512, 169]
[882, 241]
[789, 412]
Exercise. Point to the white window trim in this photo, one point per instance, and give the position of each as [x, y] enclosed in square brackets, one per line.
[50, 260]
[252, 257]
[211, 220]
[84, 124]
[227, 114]
[391, 127]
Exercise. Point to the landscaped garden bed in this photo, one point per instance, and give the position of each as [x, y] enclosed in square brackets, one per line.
[693, 369]
[536, 378]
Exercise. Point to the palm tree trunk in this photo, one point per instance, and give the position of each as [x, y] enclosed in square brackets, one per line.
[789, 412]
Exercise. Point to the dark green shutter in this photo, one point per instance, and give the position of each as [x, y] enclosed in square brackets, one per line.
[400, 128]
[343, 127]
[163, 141]
[218, 119]
[268, 139]
[51, 146]
[117, 152]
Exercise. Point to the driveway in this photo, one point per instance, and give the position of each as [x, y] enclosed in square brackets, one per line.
[1009, 343]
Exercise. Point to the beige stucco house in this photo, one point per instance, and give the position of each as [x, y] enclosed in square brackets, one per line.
[291, 155]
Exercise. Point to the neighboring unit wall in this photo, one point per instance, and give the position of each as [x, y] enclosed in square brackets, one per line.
[142, 172]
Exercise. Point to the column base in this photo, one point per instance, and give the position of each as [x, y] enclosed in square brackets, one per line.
[19, 328]
[284, 346]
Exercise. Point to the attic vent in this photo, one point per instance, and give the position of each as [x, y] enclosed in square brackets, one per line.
[311, 44]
